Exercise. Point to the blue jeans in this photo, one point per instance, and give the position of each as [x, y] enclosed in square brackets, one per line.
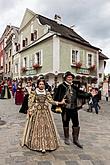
[95, 105]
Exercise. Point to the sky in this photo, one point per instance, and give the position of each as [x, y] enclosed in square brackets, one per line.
[89, 18]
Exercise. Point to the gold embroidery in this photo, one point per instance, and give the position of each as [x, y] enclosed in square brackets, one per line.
[40, 134]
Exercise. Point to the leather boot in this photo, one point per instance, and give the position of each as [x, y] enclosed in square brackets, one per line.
[75, 134]
[66, 135]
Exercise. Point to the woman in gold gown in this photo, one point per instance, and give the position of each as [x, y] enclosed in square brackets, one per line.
[40, 133]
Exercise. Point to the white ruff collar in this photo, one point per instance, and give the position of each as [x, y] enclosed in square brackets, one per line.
[68, 83]
[38, 91]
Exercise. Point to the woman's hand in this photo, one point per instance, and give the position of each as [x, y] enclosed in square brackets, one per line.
[63, 101]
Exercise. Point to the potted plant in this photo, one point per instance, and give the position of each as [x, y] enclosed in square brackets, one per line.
[92, 67]
[78, 64]
[35, 66]
[23, 69]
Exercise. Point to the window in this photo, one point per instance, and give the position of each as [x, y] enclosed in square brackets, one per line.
[23, 43]
[6, 55]
[38, 58]
[35, 34]
[16, 68]
[9, 66]
[26, 41]
[74, 56]
[18, 46]
[6, 68]
[24, 62]
[100, 75]
[89, 60]
[32, 36]
[2, 61]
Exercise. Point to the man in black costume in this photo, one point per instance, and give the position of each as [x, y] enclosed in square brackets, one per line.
[73, 101]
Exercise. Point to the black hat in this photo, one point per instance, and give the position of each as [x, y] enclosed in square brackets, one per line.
[68, 73]
[41, 77]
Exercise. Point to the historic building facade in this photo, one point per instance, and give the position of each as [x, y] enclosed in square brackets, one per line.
[48, 47]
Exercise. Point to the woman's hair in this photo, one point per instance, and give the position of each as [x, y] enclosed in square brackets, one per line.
[33, 86]
[40, 80]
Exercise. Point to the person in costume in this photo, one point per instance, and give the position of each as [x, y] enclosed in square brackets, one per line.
[40, 133]
[5, 93]
[1, 87]
[10, 84]
[19, 96]
[74, 99]
[27, 91]
[14, 87]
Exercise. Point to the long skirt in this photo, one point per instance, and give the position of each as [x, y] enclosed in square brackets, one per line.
[1, 88]
[24, 106]
[19, 97]
[40, 133]
[5, 93]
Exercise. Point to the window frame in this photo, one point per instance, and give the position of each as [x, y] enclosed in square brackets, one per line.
[76, 57]
[89, 59]
[25, 62]
[38, 58]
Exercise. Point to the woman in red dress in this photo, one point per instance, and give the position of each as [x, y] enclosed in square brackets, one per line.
[19, 94]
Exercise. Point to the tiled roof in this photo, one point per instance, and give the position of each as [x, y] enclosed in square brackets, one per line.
[102, 56]
[64, 31]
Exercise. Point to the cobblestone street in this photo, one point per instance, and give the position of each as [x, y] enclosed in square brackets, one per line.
[94, 135]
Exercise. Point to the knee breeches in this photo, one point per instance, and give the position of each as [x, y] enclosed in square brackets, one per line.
[68, 114]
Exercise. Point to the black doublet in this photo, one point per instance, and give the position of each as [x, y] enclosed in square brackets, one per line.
[62, 92]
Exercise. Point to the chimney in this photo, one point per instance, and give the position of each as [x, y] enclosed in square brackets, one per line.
[72, 27]
[57, 18]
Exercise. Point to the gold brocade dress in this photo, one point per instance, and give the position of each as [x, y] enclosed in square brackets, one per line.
[40, 132]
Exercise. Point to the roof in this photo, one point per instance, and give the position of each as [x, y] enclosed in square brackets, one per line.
[102, 56]
[64, 31]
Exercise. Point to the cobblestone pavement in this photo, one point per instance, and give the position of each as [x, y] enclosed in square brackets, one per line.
[94, 135]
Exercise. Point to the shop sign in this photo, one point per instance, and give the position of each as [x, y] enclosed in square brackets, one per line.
[83, 71]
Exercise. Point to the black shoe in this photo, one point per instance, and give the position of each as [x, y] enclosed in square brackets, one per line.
[78, 144]
[67, 142]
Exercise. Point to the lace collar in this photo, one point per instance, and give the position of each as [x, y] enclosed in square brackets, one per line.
[68, 83]
[38, 91]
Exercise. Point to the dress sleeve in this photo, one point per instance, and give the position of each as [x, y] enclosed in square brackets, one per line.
[50, 99]
[31, 99]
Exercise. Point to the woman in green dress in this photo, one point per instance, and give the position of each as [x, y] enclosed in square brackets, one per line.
[5, 93]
